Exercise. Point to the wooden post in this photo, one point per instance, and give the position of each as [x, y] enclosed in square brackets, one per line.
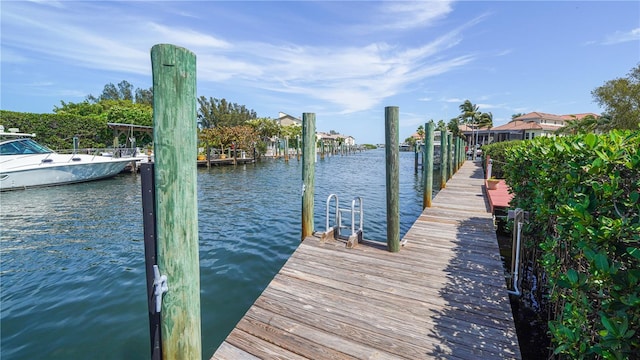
[175, 144]
[391, 122]
[308, 163]
[415, 158]
[460, 157]
[449, 156]
[427, 165]
[286, 149]
[454, 155]
[443, 159]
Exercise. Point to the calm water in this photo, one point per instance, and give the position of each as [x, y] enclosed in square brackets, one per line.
[72, 276]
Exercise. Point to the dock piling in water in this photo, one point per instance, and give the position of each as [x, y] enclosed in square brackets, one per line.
[427, 165]
[308, 172]
[443, 159]
[175, 144]
[391, 120]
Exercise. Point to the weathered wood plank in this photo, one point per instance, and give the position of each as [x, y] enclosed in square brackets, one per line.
[443, 295]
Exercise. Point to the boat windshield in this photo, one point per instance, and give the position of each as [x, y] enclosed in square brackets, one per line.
[23, 146]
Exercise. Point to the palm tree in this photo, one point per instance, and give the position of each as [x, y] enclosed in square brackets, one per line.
[420, 132]
[469, 116]
[588, 124]
[485, 121]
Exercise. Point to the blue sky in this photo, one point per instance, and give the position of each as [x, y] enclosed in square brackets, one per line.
[343, 61]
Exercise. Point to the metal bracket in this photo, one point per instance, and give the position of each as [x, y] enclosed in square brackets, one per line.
[159, 286]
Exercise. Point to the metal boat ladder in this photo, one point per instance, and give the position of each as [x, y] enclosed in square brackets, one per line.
[356, 209]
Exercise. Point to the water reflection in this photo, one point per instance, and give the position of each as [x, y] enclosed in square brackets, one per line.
[72, 257]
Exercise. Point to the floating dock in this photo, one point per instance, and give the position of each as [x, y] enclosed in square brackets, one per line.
[443, 296]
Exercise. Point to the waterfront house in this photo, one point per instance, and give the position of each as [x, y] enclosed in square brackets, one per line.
[288, 120]
[524, 127]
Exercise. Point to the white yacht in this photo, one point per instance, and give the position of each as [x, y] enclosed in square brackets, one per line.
[24, 163]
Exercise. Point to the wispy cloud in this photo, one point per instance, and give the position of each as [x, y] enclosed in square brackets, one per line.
[408, 15]
[622, 36]
[352, 78]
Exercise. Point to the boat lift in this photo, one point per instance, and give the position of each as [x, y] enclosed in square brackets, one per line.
[356, 209]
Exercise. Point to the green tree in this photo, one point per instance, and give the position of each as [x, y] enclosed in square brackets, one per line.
[588, 124]
[454, 127]
[123, 91]
[84, 108]
[265, 127]
[485, 120]
[144, 96]
[620, 99]
[420, 132]
[219, 112]
[411, 141]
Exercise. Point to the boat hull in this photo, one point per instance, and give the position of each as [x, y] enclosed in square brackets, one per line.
[60, 174]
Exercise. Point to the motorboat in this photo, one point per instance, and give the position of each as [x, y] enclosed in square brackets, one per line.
[25, 163]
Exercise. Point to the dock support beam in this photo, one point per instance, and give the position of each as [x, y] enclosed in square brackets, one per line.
[308, 163]
[443, 159]
[175, 144]
[427, 165]
[449, 156]
[392, 152]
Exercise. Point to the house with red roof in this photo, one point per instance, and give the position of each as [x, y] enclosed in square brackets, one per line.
[524, 127]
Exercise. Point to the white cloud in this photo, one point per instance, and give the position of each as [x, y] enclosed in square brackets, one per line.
[407, 15]
[352, 78]
[186, 37]
[620, 37]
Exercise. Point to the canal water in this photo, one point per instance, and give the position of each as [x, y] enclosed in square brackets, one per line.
[72, 276]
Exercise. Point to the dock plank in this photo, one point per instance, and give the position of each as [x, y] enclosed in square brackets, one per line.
[442, 296]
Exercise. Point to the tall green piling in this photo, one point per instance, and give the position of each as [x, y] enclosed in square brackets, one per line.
[308, 169]
[175, 145]
[454, 156]
[449, 156]
[392, 152]
[427, 165]
[443, 159]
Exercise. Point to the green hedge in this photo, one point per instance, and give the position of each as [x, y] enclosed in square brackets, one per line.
[582, 193]
[57, 130]
[496, 152]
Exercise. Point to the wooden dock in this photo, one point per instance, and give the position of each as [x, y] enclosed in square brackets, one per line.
[443, 296]
[499, 198]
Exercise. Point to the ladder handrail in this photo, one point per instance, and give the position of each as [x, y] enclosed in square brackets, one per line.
[338, 214]
[353, 214]
[337, 209]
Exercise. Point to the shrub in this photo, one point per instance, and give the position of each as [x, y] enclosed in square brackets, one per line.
[57, 130]
[583, 195]
[496, 152]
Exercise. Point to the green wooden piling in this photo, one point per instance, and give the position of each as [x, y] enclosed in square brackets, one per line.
[460, 157]
[392, 152]
[308, 163]
[454, 155]
[449, 156]
[427, 165]
[415, 158]
[286, 149]
[175, 145]
[443, 159]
